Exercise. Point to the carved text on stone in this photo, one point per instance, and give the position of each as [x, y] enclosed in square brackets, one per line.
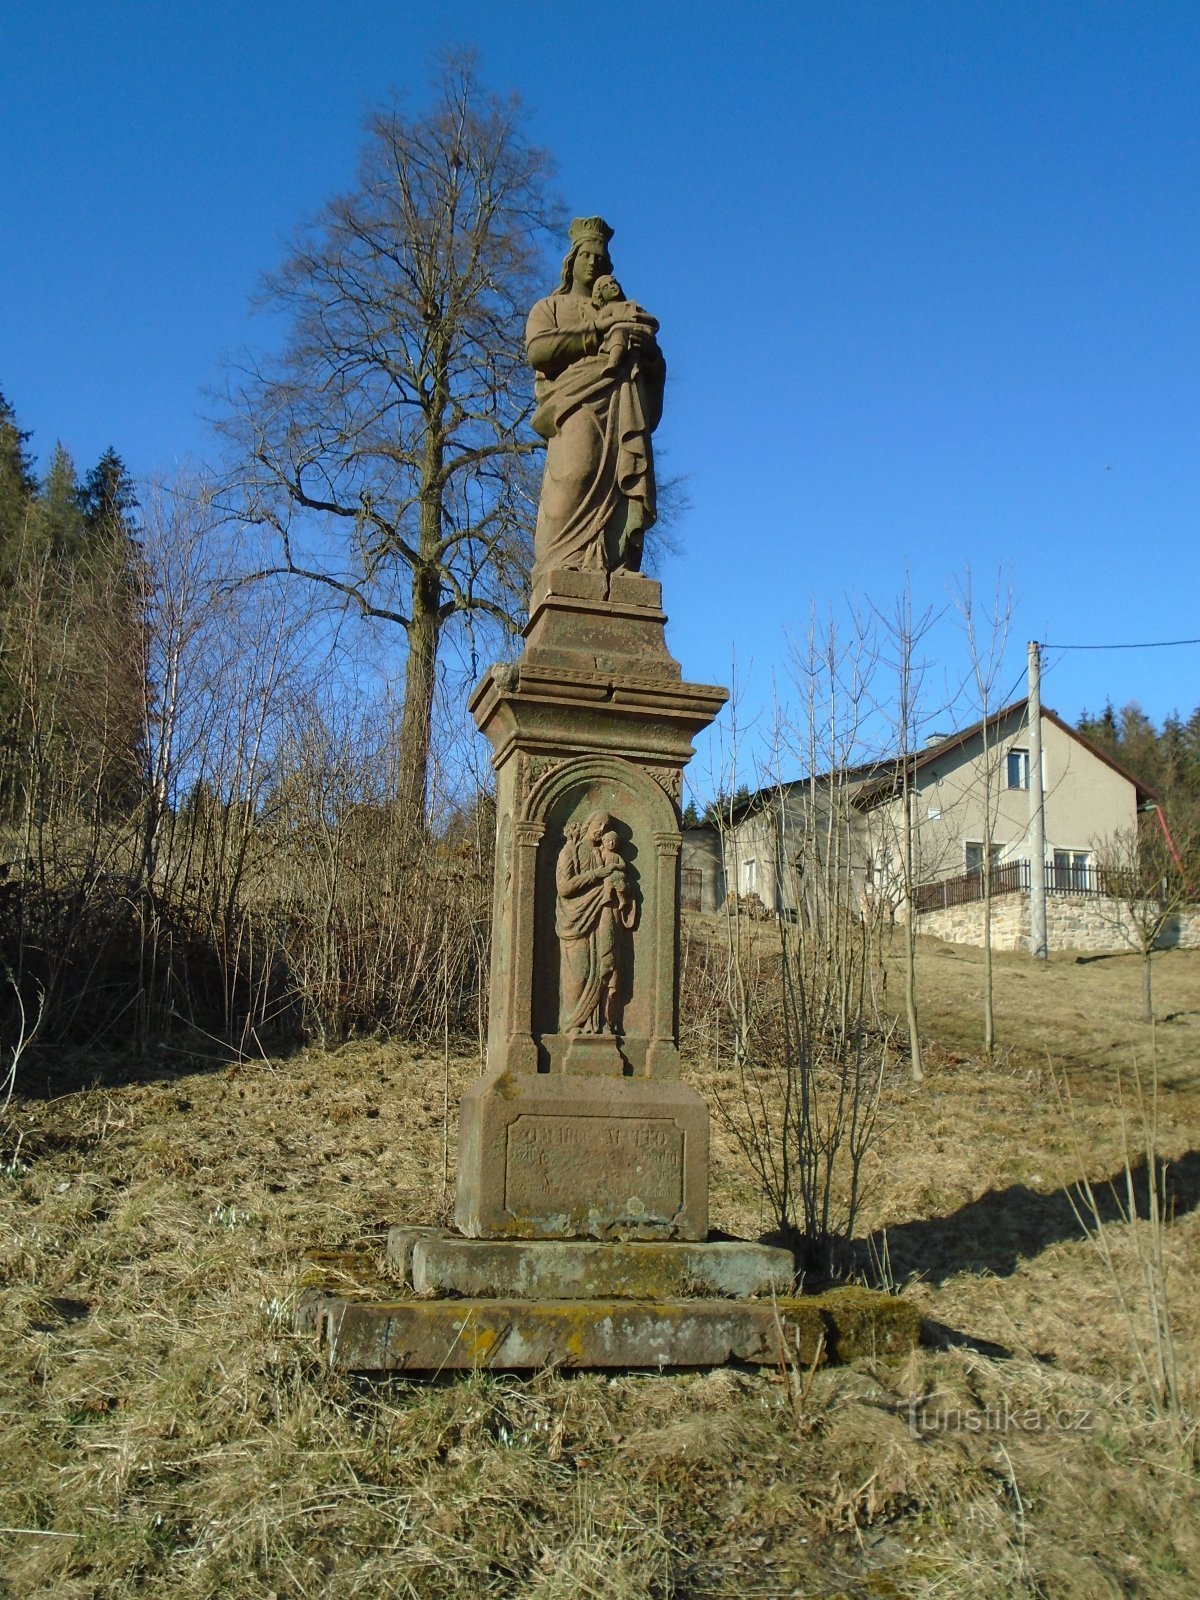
[563, 1163]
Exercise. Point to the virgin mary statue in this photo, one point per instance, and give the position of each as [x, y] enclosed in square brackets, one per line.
[599, 378]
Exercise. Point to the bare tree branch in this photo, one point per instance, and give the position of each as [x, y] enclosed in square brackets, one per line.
[387, 444]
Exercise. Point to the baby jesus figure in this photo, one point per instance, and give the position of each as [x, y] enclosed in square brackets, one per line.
[623, 902]
[607, 291]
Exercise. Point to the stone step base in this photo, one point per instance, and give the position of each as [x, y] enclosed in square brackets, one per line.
[440, 1262]
[430, 1336]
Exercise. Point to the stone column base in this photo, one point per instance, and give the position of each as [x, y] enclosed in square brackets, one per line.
[437, 1262]
[520, 1305]
[556, 1156]
[435, 1336]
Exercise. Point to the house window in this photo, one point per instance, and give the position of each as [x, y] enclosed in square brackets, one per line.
[1018, 769]
[749, 877]
[1072, 871]
[974, 855]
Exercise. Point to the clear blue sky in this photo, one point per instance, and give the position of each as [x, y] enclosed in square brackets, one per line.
[927, 275]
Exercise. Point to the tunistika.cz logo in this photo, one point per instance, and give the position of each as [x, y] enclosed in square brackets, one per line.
[941, 1413]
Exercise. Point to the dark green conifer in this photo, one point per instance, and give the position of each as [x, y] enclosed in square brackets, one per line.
[108, 497]
[59, 514]
[18, 481]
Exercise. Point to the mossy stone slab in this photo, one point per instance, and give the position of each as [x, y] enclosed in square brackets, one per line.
[429, 1336]
[581, 1269]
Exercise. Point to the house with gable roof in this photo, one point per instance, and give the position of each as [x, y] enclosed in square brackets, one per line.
[967, 794]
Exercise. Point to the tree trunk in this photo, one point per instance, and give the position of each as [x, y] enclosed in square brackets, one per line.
[989, 1013]
[417, 719]
[1147, 1002]
[915, 1056]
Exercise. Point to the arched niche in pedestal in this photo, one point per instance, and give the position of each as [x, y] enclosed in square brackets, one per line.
[645, 821]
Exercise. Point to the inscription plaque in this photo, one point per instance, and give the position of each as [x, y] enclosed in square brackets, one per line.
[565, 1163]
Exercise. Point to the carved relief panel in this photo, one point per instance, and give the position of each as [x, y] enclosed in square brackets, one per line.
[598, 919]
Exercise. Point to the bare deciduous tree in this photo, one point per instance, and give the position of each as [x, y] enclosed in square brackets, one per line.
[386, 445]
[798, 994]
[986, 633]
[1144, 884]
[903, 633]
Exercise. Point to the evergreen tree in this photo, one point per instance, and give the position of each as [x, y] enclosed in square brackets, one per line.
[71, 636]
[1138, 745]
[1172, 755]
[13, 454]
[1184, 799]
[60, 520]
[110, 569]
[108, 498]
[18, 484]
[1101, 730]
[1191, 752]
[1166, 761]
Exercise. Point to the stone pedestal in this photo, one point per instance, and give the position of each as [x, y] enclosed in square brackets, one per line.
[437, 1262]
[594, 717]
[558, 1156]
[502, 1305]
[586, 1130]
[582, 1201]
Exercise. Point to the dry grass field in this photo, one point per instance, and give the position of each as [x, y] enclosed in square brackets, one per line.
[164, 1433]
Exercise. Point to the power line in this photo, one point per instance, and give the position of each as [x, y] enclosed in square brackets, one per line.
[1153, 644]
[1006, 698]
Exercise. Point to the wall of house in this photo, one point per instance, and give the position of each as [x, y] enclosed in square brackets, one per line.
[821, 837]
[949, 803]
[1073, 922]
[948, 809]
[702, 853]
[1086, 801]
[752, 864]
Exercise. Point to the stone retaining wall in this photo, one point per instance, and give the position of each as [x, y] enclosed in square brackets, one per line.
[1073, 922]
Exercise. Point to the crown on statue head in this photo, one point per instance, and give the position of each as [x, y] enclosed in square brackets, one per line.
[590, 228]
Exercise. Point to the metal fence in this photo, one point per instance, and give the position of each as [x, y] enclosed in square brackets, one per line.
[1093, 880]
[1007, 878]
[1010, 877]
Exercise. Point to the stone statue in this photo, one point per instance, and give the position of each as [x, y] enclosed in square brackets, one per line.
[599, 384]
[596, 906]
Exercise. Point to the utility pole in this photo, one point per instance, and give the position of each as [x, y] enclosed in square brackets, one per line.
[1039, 946]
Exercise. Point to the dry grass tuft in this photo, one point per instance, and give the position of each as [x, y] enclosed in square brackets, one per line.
[166, 1434]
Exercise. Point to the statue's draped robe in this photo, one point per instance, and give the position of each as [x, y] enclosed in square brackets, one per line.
[586, 922]
[597, 416]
